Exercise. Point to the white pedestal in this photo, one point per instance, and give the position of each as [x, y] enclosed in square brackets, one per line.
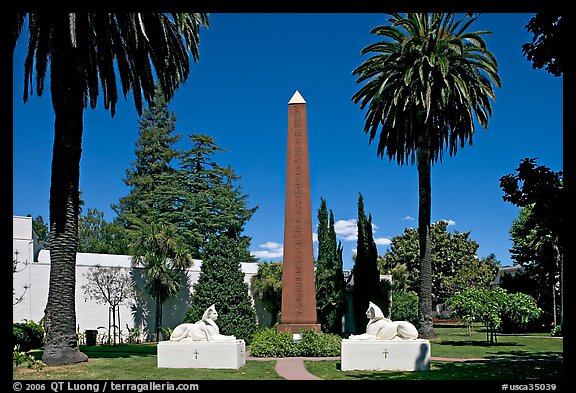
[201, 354]
[398, 355]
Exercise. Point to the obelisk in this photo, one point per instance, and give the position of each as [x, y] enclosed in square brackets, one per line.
[298, 286]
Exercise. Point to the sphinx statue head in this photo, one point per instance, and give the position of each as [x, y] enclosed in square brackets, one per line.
[381, 328]
[203, 330]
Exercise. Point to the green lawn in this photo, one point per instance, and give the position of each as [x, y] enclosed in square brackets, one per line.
[139, 362]
[531, 357]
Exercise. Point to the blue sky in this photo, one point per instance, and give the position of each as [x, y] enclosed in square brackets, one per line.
[250, 66]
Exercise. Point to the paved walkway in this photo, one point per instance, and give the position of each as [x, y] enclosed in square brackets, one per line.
[292, 368]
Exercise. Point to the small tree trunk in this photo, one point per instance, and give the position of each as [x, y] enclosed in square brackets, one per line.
[158, 319]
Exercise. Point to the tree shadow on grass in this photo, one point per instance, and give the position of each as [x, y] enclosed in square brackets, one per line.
[118, 351]
[542, 370]
[477, 343]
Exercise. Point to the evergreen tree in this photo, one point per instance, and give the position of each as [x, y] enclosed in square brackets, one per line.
[366, 275]
[329, 276]
[213, 202]
[152, 179]
[221, 282]
[186, 188]
[338, 277]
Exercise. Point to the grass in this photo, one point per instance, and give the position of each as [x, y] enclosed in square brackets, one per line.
[514, 357]
[138, 362]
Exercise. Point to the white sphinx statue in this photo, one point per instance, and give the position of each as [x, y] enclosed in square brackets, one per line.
[382, 328]
[203, 330]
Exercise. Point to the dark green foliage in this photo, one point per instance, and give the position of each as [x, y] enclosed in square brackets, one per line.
[266, 286]
[318, 344]
[95, 235]
[28, 335]
[212, 201]
[330, 285]
[152, 179]
[221, 282]
[538, 234]
[455, 265]
[186, 188]
[268, 342]
[546, 50]
[367, 287]
[405, 306]
[41, 230]
[527, 281]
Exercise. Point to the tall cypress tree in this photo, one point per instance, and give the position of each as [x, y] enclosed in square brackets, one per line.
[329, 276]
[221, 282]
[322, 274]
[365, 270]
[339, 298]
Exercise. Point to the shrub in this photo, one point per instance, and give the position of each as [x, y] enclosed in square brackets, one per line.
[318, 344]
[20, 357]
[405, 306]
[268, 342]
[556, 331]
[28, 335]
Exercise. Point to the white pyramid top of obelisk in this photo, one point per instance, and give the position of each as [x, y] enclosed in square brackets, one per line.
[296, 99]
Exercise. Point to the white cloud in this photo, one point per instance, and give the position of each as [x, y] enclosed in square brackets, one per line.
[346, 229]
[314, 237]
[271, 250]
[407, 218]
[271, 245]
[449, 222]
[382, 241]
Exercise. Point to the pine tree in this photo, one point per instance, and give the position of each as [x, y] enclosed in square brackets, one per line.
[153, 182]
[365, 270]
[221, 282]
[213, 202]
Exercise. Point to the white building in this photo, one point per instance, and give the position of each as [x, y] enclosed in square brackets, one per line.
[32, 280]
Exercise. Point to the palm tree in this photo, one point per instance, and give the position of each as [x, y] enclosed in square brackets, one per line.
[426, 86]
[86, 52]
[158, 248]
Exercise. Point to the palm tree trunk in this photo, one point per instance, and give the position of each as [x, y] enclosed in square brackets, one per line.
[158, 319]
[67, 90]
[426, 328]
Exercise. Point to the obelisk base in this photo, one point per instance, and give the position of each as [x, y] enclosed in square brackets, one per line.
[298, 327]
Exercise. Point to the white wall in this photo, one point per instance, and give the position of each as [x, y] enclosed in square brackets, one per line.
[89, 314]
